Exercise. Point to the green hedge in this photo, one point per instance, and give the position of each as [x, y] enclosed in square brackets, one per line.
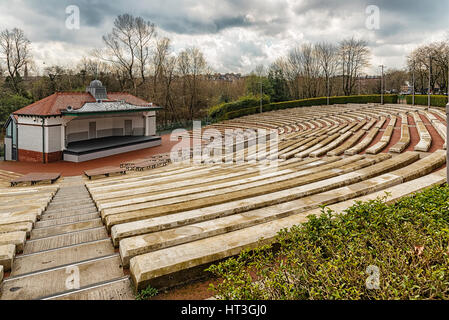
[435, 100]
[231, 114]
[219, 111]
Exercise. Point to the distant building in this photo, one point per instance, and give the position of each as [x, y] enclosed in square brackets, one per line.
[80, 126]
[225, 77]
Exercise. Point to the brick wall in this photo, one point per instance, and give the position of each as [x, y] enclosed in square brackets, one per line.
[33, 156]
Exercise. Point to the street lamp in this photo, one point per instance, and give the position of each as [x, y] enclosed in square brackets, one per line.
[413, 83]
[430, 76]
[381, 85]
[447, 148]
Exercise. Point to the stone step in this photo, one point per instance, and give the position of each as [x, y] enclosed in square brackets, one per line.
[71, 219]
[61, 229]
[78, 205]
[158, 267]
[68, 213]
[120, 289]
[62, 279]
[63, 240]
[61, 256]
[347, 144]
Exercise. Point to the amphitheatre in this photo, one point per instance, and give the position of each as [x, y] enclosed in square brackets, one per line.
[162, 224]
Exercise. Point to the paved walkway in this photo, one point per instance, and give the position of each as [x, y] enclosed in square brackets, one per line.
[75, 169]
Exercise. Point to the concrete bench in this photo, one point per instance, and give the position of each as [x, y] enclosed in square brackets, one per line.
[332, 145]
[209, 180]
[105, 171]
[385, 139]
[425, 139]
[405, 136]
[35, 177]
[131, 247]
[364, 143]
[350, 174]
[175, 204]
[437, 124]
[348, 144]
[154, 267]
[317, 146]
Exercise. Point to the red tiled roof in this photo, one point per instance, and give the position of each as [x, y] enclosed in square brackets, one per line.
[52, 105]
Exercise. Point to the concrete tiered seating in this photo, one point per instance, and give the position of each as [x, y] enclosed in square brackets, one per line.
[151, 267]
[171, 222]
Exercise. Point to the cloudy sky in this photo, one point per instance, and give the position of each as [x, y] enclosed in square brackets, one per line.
[235, 35]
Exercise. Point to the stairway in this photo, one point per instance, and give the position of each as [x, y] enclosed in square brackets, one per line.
[69, 254]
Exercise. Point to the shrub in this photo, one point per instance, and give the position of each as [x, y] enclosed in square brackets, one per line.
[435, 100]
[328, 256]
[244, 107]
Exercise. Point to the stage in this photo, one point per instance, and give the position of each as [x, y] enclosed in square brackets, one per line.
[86, 150]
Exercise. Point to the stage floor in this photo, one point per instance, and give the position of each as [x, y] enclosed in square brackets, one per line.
[99, 144]
[81, 151]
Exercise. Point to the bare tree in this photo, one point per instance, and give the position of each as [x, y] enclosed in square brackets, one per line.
[15, 52]
[354, 57]
[128, 47]
[192, 67]
[328, 60]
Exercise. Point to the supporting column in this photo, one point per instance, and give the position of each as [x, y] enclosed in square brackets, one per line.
[147, 125]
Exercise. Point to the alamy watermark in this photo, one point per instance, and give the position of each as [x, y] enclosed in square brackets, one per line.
[72, 282]
[373, 280]
[233, 146]
[372, 21]
[72, 21]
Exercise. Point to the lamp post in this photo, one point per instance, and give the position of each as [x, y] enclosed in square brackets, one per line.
[430, 76]
[413, 83]
[381, 85]
[447, 148]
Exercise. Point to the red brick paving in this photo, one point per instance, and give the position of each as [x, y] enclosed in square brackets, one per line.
[74, 169]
